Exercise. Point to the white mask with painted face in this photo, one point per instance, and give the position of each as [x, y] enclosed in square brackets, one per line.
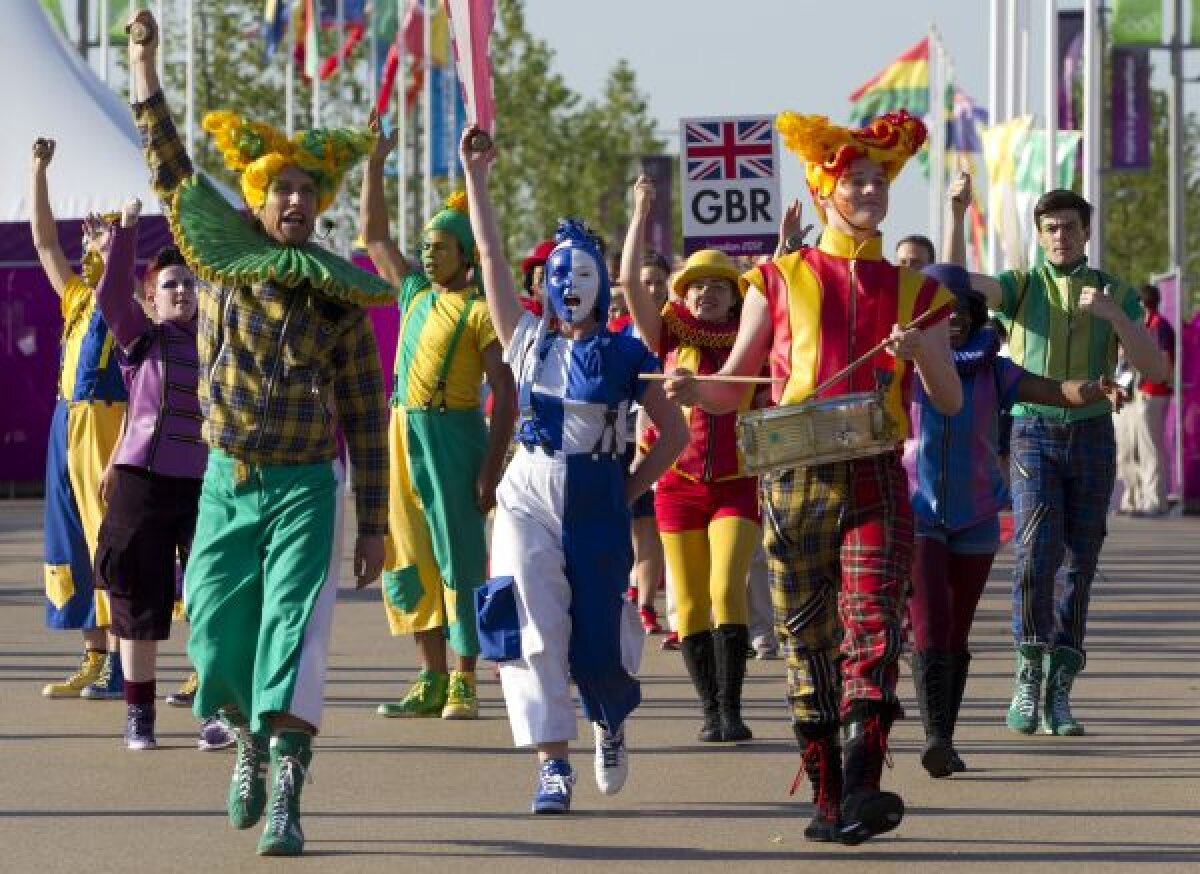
[573, 296]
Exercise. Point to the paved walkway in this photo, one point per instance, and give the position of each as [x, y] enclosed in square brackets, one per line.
[449, 797]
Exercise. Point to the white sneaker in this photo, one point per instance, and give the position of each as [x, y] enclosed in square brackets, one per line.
[612, 760]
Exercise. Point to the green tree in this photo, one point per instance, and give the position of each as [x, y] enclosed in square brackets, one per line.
[559, 155]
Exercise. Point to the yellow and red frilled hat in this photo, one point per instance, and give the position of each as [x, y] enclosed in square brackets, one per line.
[258, 151]
[829, 149]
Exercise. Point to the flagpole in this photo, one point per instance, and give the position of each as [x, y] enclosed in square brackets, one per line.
[190, 75]
[403, 164]
[427, 141]
[289, 78]
[1023, 64]
[104, 38]
[161, 17]
[1175, 204]
[1051, 94]
[373, 55]
[937, 134]
[996, 16]
[450, 109]
[1011, 52]
[1092, 127]
[315, 62]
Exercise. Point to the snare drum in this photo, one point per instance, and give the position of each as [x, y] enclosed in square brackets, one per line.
[816, 432]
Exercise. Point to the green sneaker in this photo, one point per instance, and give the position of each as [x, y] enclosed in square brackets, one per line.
[1063, 664]
[1027, 689]
[291, 754]
[426, 698]
[462, 701]
[248, 787]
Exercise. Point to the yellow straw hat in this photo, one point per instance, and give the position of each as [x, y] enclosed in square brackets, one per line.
[704, 264]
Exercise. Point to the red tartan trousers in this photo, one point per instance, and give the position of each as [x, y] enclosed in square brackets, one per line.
[839, 542]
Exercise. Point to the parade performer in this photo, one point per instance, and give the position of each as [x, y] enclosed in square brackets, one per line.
[154, 490]
[1065, 320]
[839, 535]
[561, 531]
[445, 460]
[705, 505]
[280, 324]
[83, 432]
[957, 513]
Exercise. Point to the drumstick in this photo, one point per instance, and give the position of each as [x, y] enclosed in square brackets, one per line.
[853, 365]
[716, 377]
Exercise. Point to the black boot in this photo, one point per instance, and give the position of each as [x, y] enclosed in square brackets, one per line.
[699, 656]
[866, 809]
[934, 679]
[822, 764]
[960, 664]
[732, 646]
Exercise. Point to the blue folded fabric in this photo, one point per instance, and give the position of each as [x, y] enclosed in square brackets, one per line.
[496, 620]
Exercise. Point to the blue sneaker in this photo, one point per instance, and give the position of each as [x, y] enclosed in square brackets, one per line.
[553, 794]
[110, 685]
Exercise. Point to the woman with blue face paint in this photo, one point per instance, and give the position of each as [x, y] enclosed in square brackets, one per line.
[561, 531]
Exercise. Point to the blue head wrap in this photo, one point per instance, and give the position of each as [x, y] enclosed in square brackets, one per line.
[572, 235]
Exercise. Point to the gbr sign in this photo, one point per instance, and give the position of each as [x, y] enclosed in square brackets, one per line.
[730, 184]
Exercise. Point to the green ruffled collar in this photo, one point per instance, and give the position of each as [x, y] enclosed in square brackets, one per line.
[223, 248]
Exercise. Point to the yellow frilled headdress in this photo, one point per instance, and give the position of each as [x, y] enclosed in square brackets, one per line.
[829, 149]
[258, 152]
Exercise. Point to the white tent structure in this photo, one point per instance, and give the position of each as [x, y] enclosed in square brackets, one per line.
[50, 92]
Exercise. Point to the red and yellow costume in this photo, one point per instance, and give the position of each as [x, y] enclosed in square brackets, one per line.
[706, 506]
[707, 513]
[839, 536]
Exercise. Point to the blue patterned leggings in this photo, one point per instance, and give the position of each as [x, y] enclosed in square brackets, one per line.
[1062, 481]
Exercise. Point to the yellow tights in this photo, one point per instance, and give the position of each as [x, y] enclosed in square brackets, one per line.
[707, 572]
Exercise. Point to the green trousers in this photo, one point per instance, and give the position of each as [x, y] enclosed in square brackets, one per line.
[256, 588]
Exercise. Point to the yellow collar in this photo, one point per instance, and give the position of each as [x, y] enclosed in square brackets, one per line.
[840, 245]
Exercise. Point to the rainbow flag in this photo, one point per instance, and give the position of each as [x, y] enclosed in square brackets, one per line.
[903, 84]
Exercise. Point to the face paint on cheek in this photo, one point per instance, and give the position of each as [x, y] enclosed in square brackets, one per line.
[572, 283]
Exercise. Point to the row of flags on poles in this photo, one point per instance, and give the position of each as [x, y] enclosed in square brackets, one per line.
[1011, 152]
[394, 33]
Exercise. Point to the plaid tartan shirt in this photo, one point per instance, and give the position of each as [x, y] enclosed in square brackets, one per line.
[271, 355]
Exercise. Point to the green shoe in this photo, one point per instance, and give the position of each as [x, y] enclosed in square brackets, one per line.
[462, 700]
[1063, 664]
[1027, 689]
[291, 754]
[426, 698]
[248, 788]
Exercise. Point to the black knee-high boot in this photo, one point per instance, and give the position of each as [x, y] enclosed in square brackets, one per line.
[960, 665]
[933, 676]
[732, 644]
[700, 658]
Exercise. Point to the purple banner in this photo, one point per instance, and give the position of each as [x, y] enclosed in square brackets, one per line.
[1070, 66]
[1190, 397]
[661, 171]
[1130, 109]
[734, 247]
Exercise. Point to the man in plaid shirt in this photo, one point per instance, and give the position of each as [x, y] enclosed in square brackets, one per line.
[281, 329]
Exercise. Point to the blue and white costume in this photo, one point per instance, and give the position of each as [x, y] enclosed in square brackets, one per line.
[562, 528]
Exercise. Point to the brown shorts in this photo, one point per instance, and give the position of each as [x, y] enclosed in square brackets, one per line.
[148, 524]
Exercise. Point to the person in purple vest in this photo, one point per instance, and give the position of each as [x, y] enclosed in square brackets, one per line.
[154, 489]
[959, 493]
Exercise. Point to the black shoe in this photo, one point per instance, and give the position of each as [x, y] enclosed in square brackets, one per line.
[822, 764]
[700, 658]
[933, 677]
[732, 642]
[867, 810]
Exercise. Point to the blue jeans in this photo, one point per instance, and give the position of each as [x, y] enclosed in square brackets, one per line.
[1062, 481]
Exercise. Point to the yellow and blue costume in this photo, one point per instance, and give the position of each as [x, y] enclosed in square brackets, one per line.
[83, 433]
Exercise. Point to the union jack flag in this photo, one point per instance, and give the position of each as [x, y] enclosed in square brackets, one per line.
[717, 150]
